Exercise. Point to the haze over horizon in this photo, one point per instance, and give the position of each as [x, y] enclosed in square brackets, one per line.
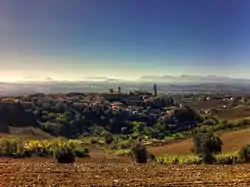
[73, 40]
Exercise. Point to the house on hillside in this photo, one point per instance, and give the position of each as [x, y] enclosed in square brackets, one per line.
[203, 98]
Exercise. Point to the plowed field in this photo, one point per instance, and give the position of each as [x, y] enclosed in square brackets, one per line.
[117, 172]
[232, 141]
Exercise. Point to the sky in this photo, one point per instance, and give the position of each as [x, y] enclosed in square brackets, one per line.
[72, 40]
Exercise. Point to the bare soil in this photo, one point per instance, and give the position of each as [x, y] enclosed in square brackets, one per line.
[114, 172]
[234, 114]
[202, 105]
[232, 141]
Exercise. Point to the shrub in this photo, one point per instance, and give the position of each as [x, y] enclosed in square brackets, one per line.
[64, 155]
[245, 154]
[210, 122]
[176, 159]
[42, 152]
[228, 158]
[81, 153]
[189, 159]
[206, 145]
[124, 152]
[109, 138]
[94, 141]
[125, 144]
[134, 136]
[8, 147]
[139, 152]
[17, 148]
[42, 148]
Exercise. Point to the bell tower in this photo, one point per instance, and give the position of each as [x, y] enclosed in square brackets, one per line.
[155, 90]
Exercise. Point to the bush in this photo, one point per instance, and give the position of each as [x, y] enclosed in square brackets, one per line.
[8, 147]
[172, 159]
[42, 153]
[64, 155]
[206, 145]
[139, 152]
[124, 152]
[245, 154]
[210, 122]
[94, 141]
[81, 153]
[109, 139]
[17, 148]
[41, 148]
[226, 159]
[126, 144]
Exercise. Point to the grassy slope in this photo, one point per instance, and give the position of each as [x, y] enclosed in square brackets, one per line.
[26, 133]
[232, 141]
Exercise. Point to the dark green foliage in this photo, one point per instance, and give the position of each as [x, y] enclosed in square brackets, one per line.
[94, 141]
[210, 122]
[245, 154]
[60, 107]
[15, 114]
[64, 155]
[228, 159]
[222, 126]
[81, 153]
[186, 114]
[109, 138]
[27, 153]
[139, 151]
[134, 136]
[206, 145]
[42, 153]
[71, 119]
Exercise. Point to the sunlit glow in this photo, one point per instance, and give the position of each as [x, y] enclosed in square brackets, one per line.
[11, 77]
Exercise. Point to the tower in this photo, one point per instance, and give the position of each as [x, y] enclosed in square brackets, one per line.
[155, 90]
[119, 90]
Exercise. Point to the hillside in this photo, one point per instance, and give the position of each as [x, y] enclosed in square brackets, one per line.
[232, 141]
[26, 133]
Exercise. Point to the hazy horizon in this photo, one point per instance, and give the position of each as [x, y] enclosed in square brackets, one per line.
[75, 40]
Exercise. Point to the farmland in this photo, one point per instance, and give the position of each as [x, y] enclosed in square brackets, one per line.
[103, 169]
[240, 111]
[117, 172]
[234, 113]
[156, 120]
[232, 141]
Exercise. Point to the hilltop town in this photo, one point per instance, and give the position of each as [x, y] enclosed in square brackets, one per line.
[76, 114]
[100, 130]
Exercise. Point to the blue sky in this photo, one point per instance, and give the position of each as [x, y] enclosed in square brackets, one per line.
[117, 38]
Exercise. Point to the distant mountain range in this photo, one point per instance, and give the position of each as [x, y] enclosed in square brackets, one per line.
[181, 79]
[192, 79]
[166, 84]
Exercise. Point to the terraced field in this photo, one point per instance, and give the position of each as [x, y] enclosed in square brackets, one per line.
[116, 172]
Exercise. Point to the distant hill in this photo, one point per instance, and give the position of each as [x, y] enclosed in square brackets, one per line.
[192, 79]
[166, 84]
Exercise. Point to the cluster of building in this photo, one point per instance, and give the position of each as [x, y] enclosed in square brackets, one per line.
[112, 99]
